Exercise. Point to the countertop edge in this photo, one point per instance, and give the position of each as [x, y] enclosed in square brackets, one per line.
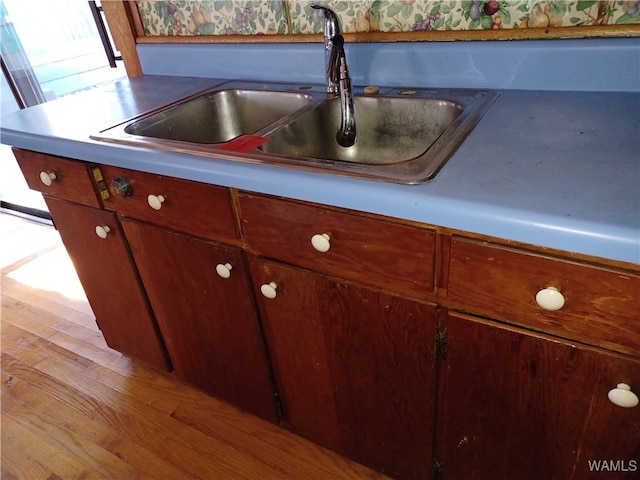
[432, 205]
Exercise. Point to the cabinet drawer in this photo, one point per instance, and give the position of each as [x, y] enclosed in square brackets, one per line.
[601, 306]
[364, 249]
[57, 177]
[197, 208]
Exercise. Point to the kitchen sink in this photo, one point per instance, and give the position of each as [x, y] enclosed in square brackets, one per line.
[403, 135]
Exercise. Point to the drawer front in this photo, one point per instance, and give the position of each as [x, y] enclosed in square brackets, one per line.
[601, 306]
[363, 249]
[191, 207]
[58, 177]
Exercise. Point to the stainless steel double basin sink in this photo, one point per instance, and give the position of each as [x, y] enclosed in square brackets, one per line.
[403, 135]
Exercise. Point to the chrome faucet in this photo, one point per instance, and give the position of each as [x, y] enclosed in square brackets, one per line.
[338, 81]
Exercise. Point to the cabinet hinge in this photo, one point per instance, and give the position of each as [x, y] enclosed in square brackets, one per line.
[279, 409]
[441, 344]
[437, 469]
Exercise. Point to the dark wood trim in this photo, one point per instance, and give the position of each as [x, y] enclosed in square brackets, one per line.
[432, 36]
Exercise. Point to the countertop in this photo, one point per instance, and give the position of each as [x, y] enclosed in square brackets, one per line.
[555, 169]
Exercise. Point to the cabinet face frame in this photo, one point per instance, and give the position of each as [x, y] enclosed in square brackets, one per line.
[603, 368]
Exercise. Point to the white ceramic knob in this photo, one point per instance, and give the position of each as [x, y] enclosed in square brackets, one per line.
[550, 298]
[321, 242]
[623, 396]
[102, 231]
[224, 270]
[155, 201]
[47, 178]
[269, 291]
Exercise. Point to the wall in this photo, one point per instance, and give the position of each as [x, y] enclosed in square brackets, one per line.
[420, 59]
[569, 65]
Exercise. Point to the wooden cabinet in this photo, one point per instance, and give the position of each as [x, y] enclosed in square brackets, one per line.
[529, 406]
[105, 267]
[110, 280]
[354, 364]
[410, 348]
[518, 403]
[354, 367]
[209, 322]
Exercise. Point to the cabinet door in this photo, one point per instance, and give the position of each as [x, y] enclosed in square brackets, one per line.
[354, 367]
[110, 280]
[209, 323]
[519, 405]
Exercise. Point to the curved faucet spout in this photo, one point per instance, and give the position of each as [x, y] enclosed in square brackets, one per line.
[337, 76]
[346, 135]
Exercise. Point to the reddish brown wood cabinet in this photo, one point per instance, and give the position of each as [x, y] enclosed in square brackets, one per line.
[355, 368]
[414, 349]
[199, 288]
[110, 279]
[208, 321]
[529, 406]
[520, 403]
[106, 270]
[354, 363]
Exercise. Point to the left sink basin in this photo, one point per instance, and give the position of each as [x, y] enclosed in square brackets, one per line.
[218, 116]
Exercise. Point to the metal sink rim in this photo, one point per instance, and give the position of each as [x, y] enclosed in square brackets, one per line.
[475, 103]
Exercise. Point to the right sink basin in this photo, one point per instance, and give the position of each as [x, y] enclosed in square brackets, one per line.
[403, 137]
[389, 130]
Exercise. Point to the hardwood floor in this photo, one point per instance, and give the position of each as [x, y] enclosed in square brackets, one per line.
[73, 408]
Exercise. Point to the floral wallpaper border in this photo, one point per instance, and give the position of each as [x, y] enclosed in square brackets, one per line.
[282, 17]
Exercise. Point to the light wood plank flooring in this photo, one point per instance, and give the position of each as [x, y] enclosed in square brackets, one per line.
[73, 408]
